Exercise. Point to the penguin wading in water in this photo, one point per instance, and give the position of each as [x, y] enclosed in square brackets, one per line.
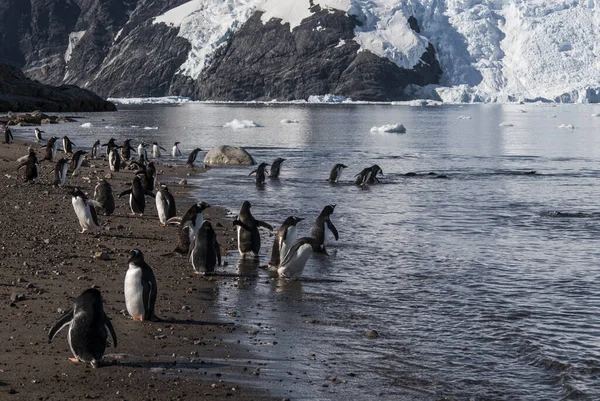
[276, 168]
[292, 265]
[247, 230]
[95, 149]
[165, 204]
[88, 328]
[260, 172]
[368, 175]
[336, 172]
[77, 161]
[103, 195]
[86, 214]
[206, 253]
[38, 134]
[175, 151]
[192, 157]
[156, 150]
[137, 194]
[32, 169]
[140, 288]
[285, 237]
[51, 147]
[68, 145]
[324, 228]
[60, 172]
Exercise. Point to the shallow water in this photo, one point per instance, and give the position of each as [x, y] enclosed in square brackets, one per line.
[478, 288]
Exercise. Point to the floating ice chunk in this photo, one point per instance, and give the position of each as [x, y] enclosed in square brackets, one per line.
[505, 125]
[238, 124]
[149, 128]
[86, 125]
[568, 126]
[287, 121]
[395, 128]
[329, 98]
[596, 115]
[463, 117]
[150, 100]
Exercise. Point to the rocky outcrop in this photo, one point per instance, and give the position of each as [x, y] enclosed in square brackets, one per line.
[18, 93]
[226, 155]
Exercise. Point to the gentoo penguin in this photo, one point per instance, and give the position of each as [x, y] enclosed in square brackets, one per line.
[51, 146]
[126, 149]
[176, 152]
[156, 149]
[205, 253]
[190, 224]
[248, 235]
[323, 228]
[140, 288]
[114, 159]
[109, 145]
[137, 196]
[60, 172]
[88, 328]
[150, 182]
[260, 173]
[276, 168]
[32, 170]
[368, 175]
[77, 161]
[67, 145]
[95, 149]
[8, 136]
[104, 197]
[192, 157]
[292, 265]
[165, 204]
[88, 220]
[141, 161]
[142, 151]
[285, 237]
[336, 172]
[38, 134]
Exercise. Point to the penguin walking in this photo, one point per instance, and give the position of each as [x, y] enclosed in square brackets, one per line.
[247, 230]
[8, 136]
[126, 150]
[51, 147]
[77, 161]
[86, 214]
[103, 195]
[150, 181]
[205, 253]
[68, 145]
[292, 265]
[285, 237]
[192, 157]
[323, 228]
[32, 169]
[60, 172]
[137, 196]
[276, 168]
[156, 150]
[38, 134]
[336, 172]
[88, 328]
[190, 223]
[95, 149]
[140, 288]
[114, 159]
[165, 204]
[175, 151]
[368, 175]
[260, 173]
[142, 151]
[109, 145]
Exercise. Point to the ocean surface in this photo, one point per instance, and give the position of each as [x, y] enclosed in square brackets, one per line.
[483, 285]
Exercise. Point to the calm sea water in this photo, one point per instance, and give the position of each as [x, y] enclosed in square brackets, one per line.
[477, 287]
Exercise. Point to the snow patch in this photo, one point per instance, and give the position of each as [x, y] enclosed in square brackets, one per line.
[239, 124]
[86, 125]
[74, 38]
[341, 43]
[286, 121]
[392, 128]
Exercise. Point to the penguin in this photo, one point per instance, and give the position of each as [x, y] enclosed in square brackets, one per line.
[323, 227]
[205, 253]
[176, 152]
[32, 169]
[114, 159]
[165, 204]
[77, 161]
[67, 145]
[368, 175]
[190, 223]
[141, 161]
[150, 181]
[285, 237]
[140, 288]
[292, 265]
[51, 146]
[8, 136]
[95, 149]
[192, 157]
[336, 172]
[156, 150]
[260, 173]
[88, 220]
[88, 328]
[126, 149]
[247, 230]
[109, 145]
[137, 196]
[60, 172]
[103, 195]
[38, 134]
[142, 152]
[276, 168]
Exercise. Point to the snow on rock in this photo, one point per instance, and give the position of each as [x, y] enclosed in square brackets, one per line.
[394, 128]
[286, 121]
[74, 38]
[86, 125]
[329, 98]
[238, 124]
[568, 126]
[151, 100]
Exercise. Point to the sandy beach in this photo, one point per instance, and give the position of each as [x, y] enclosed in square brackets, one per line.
[46, 262]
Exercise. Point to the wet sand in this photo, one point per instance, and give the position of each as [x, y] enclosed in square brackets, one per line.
[46, 262]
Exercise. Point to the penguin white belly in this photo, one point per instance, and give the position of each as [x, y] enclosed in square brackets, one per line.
[69, 334]
[294, 268]
[77, 166]
[64, 145]
[175, 151]
[83, 214]
[290, 238]
[111, 161]
[155, 151]
[134, 297]
[131, 203]
[63, 175]
[161, 208]
[338, 173]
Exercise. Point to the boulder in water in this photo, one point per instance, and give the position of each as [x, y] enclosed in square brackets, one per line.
[228, 156]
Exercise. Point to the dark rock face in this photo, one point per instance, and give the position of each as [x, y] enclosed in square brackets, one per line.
[18, 93]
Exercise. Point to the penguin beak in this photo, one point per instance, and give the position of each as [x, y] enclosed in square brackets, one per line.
[299, 219]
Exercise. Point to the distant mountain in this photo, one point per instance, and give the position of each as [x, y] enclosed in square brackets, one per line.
[457, 51]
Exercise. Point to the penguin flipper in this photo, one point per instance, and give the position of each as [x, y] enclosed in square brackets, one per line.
[126, 192]
[149, 193]
[218, 250]
[60, 324]
[244, 226]
[94, 215]
[111, 329]
[333, 229]
[253, 172]
[260, 223]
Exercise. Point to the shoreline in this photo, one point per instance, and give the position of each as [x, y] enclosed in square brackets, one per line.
[47, 263]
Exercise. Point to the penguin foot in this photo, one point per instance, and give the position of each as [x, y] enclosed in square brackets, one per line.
[74, 360]
[138, 318]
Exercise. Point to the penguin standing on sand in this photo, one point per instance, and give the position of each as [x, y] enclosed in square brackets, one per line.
[276, 168]
[60, 172]
[285, 237]
[86, 214]
[165, 204]
[8, 136]
[32, 169]
[109, 145]
[176, 152]
[190, 223]
[77, 161]
[336, 172]
[205, 253]
[192, 157]
[137, 196]
[68, 145]
[38, 134]
[260, 173]
[292, 265]
[324, 228]
[140, 288]
[247, 230]
[88, 328]
[156, 150]
[126, 149]
[150, 181]
[95, 149]
[103, 195]
[114, 159]
[51, 146]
